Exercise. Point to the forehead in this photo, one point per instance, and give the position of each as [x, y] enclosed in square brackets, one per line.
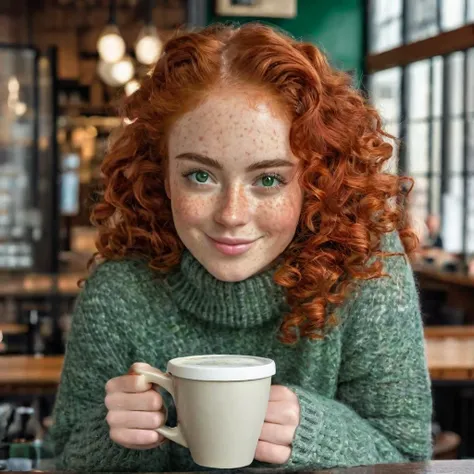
[232, 124]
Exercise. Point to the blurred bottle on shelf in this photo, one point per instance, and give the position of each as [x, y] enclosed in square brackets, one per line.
[23, 436]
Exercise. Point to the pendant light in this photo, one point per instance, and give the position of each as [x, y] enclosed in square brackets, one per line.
[111, 46]
[131, 87]
[148, 46]
[123, 70]
[104, 70]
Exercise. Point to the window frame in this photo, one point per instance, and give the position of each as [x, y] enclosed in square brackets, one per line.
[442, 45]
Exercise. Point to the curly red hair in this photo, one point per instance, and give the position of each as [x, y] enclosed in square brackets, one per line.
[350, 200]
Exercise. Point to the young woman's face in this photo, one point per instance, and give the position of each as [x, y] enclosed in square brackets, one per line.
[233, 183]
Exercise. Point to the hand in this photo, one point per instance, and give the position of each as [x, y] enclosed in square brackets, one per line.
[135, 411]
[281, 421]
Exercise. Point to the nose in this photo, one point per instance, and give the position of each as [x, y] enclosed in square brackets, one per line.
[233, 210]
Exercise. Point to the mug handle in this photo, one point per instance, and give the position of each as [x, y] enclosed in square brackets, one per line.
[165, 381]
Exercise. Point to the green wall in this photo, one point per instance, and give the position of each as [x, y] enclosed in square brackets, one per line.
[336, 26]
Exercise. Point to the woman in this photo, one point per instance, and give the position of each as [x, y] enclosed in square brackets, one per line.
[246, 210]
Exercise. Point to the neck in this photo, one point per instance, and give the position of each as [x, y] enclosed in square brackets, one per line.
[247, 303]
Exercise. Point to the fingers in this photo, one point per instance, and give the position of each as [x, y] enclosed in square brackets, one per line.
[140, 420]
[278, 434]
[272, 453]
[143, 447]
[127, 384]
[283, 413]
[135, 439]
[146, 401]
[282, 393]
[134, 411]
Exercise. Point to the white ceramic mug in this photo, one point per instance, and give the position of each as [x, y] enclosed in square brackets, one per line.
[221, 402]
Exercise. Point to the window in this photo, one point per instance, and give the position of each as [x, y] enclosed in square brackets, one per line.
[470, 10]
[386, 21]
[452, 14]
[422, 19]
[429, 106]
[385, 92]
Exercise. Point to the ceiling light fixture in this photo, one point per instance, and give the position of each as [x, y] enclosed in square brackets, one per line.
[123, 71]
[148, 46]
[111, 46]
[131, 87]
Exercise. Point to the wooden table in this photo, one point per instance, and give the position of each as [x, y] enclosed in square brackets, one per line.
[29, 375]
[449, 349]
[450, 352]
[436, 467]
[37, 285]
[9, 329]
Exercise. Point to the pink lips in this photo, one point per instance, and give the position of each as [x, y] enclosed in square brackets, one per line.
[231, 246]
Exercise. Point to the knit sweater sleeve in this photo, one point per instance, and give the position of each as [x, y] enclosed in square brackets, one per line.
[382, 409]
[97, 351]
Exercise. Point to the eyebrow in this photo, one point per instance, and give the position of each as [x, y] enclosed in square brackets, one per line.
[211, 162]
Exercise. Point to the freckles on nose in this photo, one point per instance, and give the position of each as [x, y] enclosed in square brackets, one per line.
[237, 200]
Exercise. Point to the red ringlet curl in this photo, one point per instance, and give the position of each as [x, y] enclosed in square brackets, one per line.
[350, 201]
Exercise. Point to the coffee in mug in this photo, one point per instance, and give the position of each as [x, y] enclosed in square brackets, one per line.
[221, 402]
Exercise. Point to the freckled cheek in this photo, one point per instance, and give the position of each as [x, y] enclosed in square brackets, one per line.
[278, 216]
[191, 209]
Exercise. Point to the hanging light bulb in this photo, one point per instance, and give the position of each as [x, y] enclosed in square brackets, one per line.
[131, 86]
[149, 46]
[111, 46]
[104, 70]
[20, 109]
[123, 70]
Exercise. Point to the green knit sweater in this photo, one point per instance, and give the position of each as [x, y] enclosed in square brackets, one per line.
[363, 389]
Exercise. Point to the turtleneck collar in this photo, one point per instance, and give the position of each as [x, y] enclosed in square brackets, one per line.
[243, 304]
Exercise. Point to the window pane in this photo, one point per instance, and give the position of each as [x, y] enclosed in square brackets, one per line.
[470, 216]
[422, 21]
[470, 10]
[385, 24]
[456, 145]
[437, 86]
[453, 215]
[470, 80]
[386, 36]
[456, 82]
[452, 14]
[417, 148]
[470, 150]
[435, 195]
[418, 89]
[419, 200]
[385, 93]
[393, 129]
[384, 9]
[436, 145]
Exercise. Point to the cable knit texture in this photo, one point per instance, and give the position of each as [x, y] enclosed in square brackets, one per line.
[364, 391]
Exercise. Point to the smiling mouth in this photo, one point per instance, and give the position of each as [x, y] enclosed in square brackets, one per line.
[232, 246]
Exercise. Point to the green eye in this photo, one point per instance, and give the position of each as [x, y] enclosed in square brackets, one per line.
[201, 176]
[268, 181]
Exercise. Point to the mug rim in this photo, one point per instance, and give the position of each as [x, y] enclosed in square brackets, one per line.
[257, 368]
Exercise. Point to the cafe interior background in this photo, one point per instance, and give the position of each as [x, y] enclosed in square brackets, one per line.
[65, 64]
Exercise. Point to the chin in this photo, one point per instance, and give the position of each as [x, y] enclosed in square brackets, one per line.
[231, 273]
